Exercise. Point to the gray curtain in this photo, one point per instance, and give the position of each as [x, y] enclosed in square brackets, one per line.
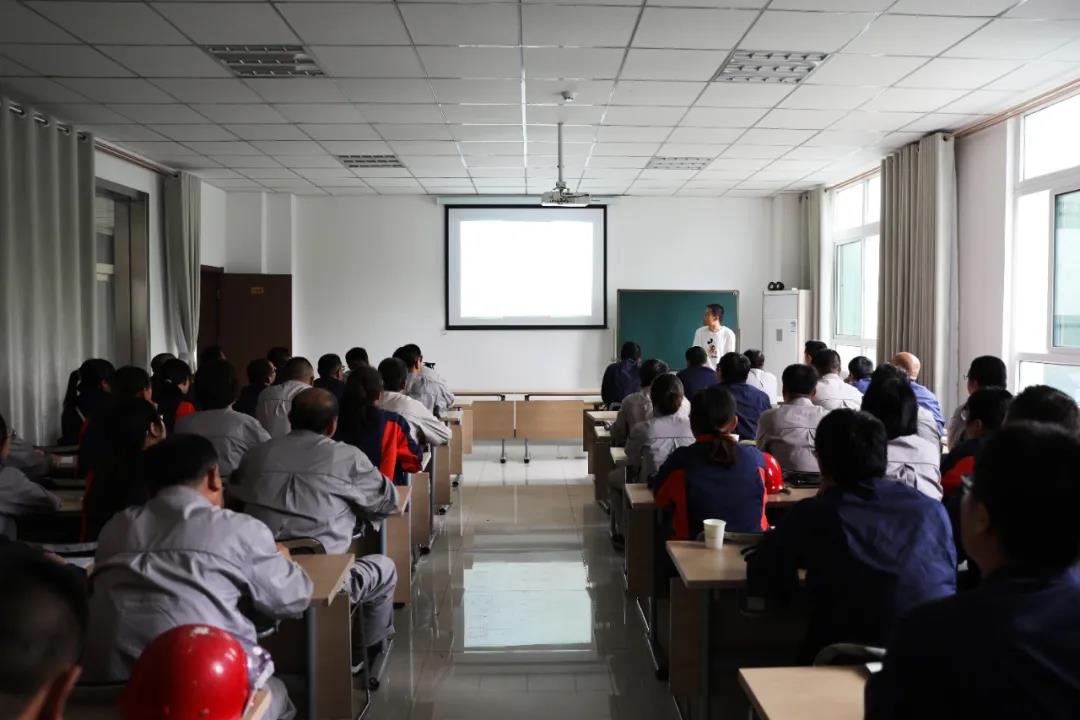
[810, 226]
[182, 194]
[917, 308]
[47, 268]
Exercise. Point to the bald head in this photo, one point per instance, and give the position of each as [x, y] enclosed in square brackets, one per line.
[316, 411]
[909, 363]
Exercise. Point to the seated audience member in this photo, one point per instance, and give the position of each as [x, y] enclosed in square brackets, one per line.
[260, 375]
[1009, 648]
[275, 402]
[33, 463]
[832, 392]
[424, 427]
[18, 494]
[787, 432]
[356, 358]
[42, 626]
[331, 375]
[698, 374]
[380, 434]
[278, 356]
[912, 459]
[859, 370]
[306, 485]
[812, 348]
[129, 383]
[926, 399]
[872, 548]
[761, 378]
[116, 479]
[87, 393]
[231, 433]
[984, 371]
[622, 378]
[423, 383]
[212, 354]
[182, 559]
[986, 410]
[158, 360]
[716, 477]
[927, 426]
[638, 407]
[656, 437]
[1045, 404]
[172, 397]
[750, 402]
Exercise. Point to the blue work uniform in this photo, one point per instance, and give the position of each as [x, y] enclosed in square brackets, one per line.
[620, 379]
[695, 379]
[750, 403]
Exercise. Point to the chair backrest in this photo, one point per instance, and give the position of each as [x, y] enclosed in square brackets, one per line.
[849, 654]
[304, 546]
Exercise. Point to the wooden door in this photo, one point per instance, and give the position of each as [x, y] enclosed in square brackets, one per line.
[209, 306]
[255, 315]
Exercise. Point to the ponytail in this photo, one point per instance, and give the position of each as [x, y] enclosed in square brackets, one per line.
[723, 449]
[711, 412]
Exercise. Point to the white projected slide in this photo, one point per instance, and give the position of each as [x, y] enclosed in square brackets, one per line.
[525, 267]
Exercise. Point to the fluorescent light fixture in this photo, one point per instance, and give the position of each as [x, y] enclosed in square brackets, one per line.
[785, 67]
[266, 61]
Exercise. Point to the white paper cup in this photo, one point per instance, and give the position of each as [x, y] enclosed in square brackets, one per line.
[714, 533]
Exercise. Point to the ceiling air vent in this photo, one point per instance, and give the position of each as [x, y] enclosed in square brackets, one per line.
[370, 161]
[678, 163]
[266, 61]
[769, 66]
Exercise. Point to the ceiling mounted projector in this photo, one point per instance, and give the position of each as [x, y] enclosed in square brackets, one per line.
[561, 196]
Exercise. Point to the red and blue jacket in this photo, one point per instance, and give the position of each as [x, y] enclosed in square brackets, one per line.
[697, 487]
[387, 443]
[960, 461]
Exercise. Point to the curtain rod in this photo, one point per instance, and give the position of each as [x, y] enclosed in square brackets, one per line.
[1048, 97]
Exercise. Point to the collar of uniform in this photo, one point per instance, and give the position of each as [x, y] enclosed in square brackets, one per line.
[802, 400]
[832, 378]
[182, 494]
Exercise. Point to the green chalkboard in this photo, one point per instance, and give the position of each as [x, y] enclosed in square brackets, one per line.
[663, 321]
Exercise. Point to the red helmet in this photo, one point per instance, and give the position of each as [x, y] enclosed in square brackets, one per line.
[192, 672]
[774, 477]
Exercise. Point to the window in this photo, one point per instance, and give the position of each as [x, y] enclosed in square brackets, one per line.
[856, 213]
[1051, 142]
[1066, 263]
[121, 331]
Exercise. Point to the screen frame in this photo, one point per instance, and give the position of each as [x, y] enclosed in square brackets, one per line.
[604, 325]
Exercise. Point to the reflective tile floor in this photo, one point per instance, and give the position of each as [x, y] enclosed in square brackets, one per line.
[519, 611]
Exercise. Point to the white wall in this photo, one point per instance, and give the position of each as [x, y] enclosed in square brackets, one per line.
[212, 226]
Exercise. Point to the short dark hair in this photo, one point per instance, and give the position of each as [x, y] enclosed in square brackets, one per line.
[363, 386]
[259, 371]
[130, 380]
[892, 401]
[799, 379]
[666, 393]
[813, 347]
[216, 385]
[989, 405]
[630, 351]
[1042, 403]
[178, 460]
[3, 430]
[175, 371]
[355, 357]
[278, 356]
[696, 356]
[860, 367]
[716, 309]
[408, 355]
[710, 411]
[210, 354]
[1036, 526]
[826, 361]
[313, 409]
[851, 446]
[734, 368]
[988, 371]
[652, 369]
[756, 358]
[159, 360]
[393, 373]
[298, 368]
[329, 364]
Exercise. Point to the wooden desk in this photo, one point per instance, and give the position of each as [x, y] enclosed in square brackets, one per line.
[456, 419]
[618, 457]
[591, 419]
[547, 419]
[258, 707]
[397, 545]
[328, 636]
[71, 501]
[805, 693]
[601, 464]
[787, 499]
[704, 569]
[493, 420]
[442, 477]
[420, 510]
[638, 542]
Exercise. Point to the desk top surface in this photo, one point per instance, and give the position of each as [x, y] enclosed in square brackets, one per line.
[546, 393]
[599, 416]
[259, 706]
[639, 495]
[70, 499]
[702, 569]
[806, 693]
[327, 573]
[603, 433]
[618, 456]
[793, 497]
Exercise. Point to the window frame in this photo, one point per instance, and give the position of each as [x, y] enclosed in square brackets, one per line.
[860, 234]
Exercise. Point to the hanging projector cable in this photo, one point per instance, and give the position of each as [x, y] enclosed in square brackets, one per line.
[561, 196]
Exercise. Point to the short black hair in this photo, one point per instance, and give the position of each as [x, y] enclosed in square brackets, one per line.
[3, 430]
[988, 371]
[756, 358]
[298, 368]
[1035, 523]
[393, 373]
[851, 446]
[1042, 403]
[356, 357]
[989, 405]
[313, 409]
[329, 364]
[666, 393]
[407, 355]
[716, 309]
[652, 369]
[630, 351]
[860, 367]
[210, 354]
[696, 356]
[363, 387]
[799, 379]
[159, 360]
[178, 460]
[130, 380]
[813, 347]
[711, 409]
[826, 361]
[734, 368]
[216, 385]
[892, 401]
[259, 371]
[175, 371]
[278, 356]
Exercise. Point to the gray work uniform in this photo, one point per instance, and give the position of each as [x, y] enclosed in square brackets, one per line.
[787, 433]
[764, 381]
[634, 409]
[23, 456]
[305, 485]
[275, 403]
[231, 433]
[21, 496]
[956, 430]
[928, 427]
[652, 440]
[423, 425]
[430, 389]
[915, 462]
[178, 560]
[833, 393]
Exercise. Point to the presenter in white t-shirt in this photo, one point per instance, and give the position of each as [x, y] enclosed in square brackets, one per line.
[714, 337]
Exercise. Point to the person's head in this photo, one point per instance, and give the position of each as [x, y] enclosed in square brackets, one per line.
[330, 366]
[131, 382]
[410, 356]
[176, 373]
[278, 356]
[630, 351]
[812, 348]
[1007, 520]
[891, 400]
[356, 358]
[859, 368]
[211, 354]
[96, 374]
[393, 373]
[216, 385]
[696, 356]
[5, 440]
[851, 446]
[666, 393]
[1042, 403]
[714, 315]
[733, 368]
[652, 369]
[43, 615]
[985, 411]
[188, 460]
[159, 360]
[316, 411]
[909, 362]
[363, 389]
[987, 371]
[826, 362]
[134, 425]
[299, 369]
[756, 358]
[799, 381]
[261, 372]
[712, 415]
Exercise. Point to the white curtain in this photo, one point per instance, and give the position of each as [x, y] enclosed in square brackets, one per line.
[918, 295]
[47, 267]
[182, 195]
[812, 235]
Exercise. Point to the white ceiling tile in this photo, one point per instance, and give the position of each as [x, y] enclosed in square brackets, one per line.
[899, 139]
[13, 69]
[226, 22]
[912, 35]
[871, 70]
[845, 138]
[40, 89]
[267, 132]
[227, 113]
[985, 102]
[614, 133]
[704, 28]
[386, 91]
[690, 150]
[883, 121]
[120, 133]
[340, 173]
[208, 90]
[724, 94]
[479, 147]
[785, 30]
[908, 99]
[482, 114]
[452, 24]
[705, 135]
[214, 148]
[1046, 9]
[411, 114]
[165, 60]
[723, 117]
[618, 162]
[801, 167]
[297, 90]
[288, 185]
[217, 174]
[510, 163]
[943, 121]
[350, 191]
[486, 132]
[611, 173]
[490, 172]
[653, 92]
[307, 161]
[65, 60]
[1067, 53]
[828, 97]
[832, 5]
[628, 149]
[183, 133]
[571, 133]
[471, 62]
[755, 152]
[631, 115]
[87, 113]
[800, 119]
[339, 131]
[234, 185]
[110, 22]
[586, 92]
[824, 154]
[441, 167]
[669, 175]
[477, 91]
[350, 147]
[271, 173]
[577, 25]
[346, 23]
[650, 64]
[425, 147]
[1021, 39]
[574, 152]
[980, 8]
[322, 113]
[771, 136]
[291, 147]
[161, 149]
[585, 63]
[958, 73]
[569, 114]
[1036, 74]
[110, 90]
[247, 161]
[17, 24]
[413, 132]
[161, 113]
[379, 62]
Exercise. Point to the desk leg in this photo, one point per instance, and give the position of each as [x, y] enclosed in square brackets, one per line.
[502, 451]
[311, 619]
[420, 512]
[527, 458]
[335, 681]
[443, 496]
[398, 547]
[706, 648]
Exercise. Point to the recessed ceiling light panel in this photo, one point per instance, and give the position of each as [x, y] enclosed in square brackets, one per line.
[370, 161]
[678, 163]
[772, 67]
[266, 61]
